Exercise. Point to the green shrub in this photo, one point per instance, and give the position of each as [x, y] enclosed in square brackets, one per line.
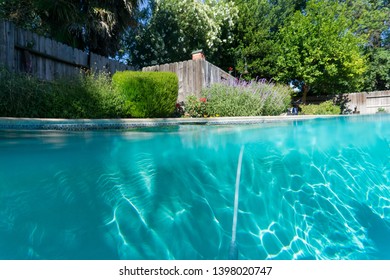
[381, 110]
[89, 96]
[149, 94]
[20, 95]
[325, 108]
[195, 107]
[82, 96]
[247, 99]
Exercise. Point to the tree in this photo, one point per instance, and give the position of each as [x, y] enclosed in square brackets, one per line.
[256, 34]
[86, 24]
[169, 30]
[371, 19]
[319, 49]
[378, 71]
[21, 12]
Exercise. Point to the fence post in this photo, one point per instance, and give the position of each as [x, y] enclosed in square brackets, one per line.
[179, 73]
[9, 39]
[198, 76]
[3, 46]
[185, 79]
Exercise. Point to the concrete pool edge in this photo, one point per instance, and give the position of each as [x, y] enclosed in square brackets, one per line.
[100, 124]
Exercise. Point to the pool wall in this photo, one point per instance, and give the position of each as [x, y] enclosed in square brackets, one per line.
[98, 124]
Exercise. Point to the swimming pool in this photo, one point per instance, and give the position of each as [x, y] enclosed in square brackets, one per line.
[314, 189]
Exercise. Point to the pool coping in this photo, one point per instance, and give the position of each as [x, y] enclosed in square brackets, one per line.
[104, 124]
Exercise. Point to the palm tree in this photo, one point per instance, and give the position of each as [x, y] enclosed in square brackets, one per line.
[94, 25]
[21, 12]
[105, 21]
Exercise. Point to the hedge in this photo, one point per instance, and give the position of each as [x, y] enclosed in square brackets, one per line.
[324, 108]
[83, 96]
[148, 94]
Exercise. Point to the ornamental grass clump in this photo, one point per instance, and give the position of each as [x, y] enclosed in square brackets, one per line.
[254, 98]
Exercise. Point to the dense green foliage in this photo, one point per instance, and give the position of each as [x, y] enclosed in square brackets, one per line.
[372, 21]
[169, 30]
[256, 34]
[84, 96]
[378, 72]
[92, 25]
[325, 108]
[318, 49]
[132, 94]
[242, 99]
[312, 40]
[148, 94]
[322, 46]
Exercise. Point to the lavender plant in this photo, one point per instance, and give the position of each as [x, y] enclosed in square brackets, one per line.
[242, 98]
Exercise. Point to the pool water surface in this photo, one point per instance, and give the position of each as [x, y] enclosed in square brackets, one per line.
[315, 189]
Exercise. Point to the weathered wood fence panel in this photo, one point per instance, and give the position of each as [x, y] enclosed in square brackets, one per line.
[370, 102]
[193, 75]
[24, 51]
[362, 102]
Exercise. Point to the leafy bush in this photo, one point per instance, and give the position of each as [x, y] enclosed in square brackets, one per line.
[148, 94]
[83, 96]
[195, 107]
[325, 108]
[381, 110]
[20, 95]
[253, 98]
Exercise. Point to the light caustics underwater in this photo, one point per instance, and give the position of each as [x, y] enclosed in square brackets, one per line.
[315, 189]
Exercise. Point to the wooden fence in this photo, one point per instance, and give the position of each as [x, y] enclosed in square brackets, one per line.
[193, 75]
[25, 51]
[361, 102]
[369, 102]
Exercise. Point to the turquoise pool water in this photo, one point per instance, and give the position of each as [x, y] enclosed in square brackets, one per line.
[316, 189]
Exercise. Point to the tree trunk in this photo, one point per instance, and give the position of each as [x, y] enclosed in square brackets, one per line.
[305, 91]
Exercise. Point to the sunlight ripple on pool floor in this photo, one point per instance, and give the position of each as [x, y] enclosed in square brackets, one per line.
[316, 189]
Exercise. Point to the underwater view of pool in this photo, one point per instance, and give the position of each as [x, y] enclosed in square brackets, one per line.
[314, 189]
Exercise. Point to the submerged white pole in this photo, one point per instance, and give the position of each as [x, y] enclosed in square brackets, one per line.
[233, 250]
